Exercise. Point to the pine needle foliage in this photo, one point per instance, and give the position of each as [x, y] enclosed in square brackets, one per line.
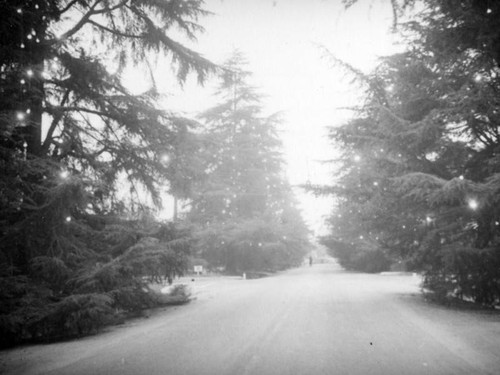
[82, 159]
[419, 171]
[244, 207]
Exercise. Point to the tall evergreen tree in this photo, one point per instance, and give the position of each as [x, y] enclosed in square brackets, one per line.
[72, 139]
[245, 204]
[420, 162]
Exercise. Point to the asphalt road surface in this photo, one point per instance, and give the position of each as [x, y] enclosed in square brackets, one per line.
[312, 320]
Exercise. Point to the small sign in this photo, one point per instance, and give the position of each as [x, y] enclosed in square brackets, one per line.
[198, 269]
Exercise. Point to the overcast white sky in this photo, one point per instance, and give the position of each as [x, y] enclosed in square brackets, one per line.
[280, 39]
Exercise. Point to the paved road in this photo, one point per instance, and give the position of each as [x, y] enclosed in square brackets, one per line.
[313, 320]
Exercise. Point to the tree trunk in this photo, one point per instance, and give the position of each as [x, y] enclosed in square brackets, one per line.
[35, 91]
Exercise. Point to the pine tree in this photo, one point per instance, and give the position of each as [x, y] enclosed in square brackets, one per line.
[244, 204]
[420, 165]
[74, 248]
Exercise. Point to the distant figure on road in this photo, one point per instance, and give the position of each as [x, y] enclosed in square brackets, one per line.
[310, 260]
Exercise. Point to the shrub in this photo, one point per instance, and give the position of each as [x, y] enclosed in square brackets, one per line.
[75, 315]
[467, 274]
[178, 295]
[358, 258]
[91, 284]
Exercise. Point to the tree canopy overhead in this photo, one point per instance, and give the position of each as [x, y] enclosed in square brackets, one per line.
[62, 63]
